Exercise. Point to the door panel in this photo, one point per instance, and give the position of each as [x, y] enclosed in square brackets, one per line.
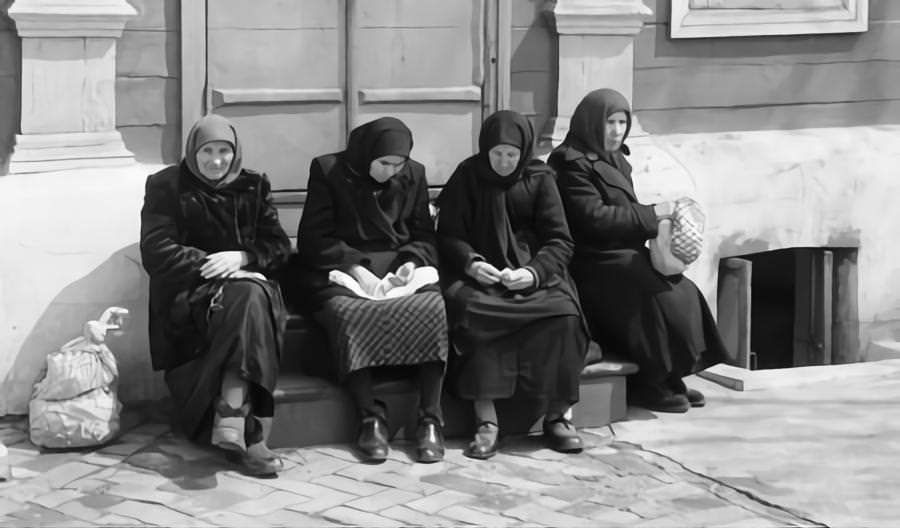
[420, 61]
[276, 69]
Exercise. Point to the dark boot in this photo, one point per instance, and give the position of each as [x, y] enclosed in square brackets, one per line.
[695, 397]
[373, 441]
[561, 436]
[485, 443]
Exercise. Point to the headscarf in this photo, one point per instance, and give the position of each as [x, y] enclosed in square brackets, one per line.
[212, 128]
[587, 128]
[481, 194]
[386, 136]
[505, 128]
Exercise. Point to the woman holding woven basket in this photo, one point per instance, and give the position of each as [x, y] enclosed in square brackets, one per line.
[644, 310]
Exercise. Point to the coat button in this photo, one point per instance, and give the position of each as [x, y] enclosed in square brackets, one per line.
[592, 157]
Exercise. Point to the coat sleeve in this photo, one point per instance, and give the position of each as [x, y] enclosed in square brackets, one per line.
[316, 241]
[453, 225]
[271, 246]
[421, 247]
[164, 258]
[590, 211]
[552, 230]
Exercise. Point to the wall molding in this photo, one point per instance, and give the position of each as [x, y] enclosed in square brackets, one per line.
[450, 94]
[233, 96]
[705, 18]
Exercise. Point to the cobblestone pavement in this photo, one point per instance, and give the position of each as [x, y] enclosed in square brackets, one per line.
[151, 477]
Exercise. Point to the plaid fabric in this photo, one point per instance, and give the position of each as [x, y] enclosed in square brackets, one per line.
[687, 230]
[403, 331]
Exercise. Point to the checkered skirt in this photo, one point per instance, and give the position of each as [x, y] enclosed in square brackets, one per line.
[404, 331]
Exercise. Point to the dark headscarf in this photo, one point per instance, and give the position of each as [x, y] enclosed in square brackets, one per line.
[479, 193]
[212, 128]
[587, 129]
[387, 136]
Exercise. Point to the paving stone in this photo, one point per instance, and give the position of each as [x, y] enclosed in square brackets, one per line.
[476, 517]
[126, 475]
[101, 460]
[230, 519]
[500, 500]
[77, 510]
[548, 454]
[717, 516]
[55, 498]
[437, 501]
[342, 452]
[123, 449]
[352, 517]
[569, 492]
[649, 508]
[355, 487]
[200, 502]
[241, 486]
[534, 513]
[89, 485]
[60, 476]
[26, 491]
[321, 498]
[324, 466]
[35, 515]
[697, 502]
[459, 481]
[100, 501]
[550, 466]
[8, 506]
[292, 519]
[186, 451]
[268, 503]
[117, 520]
[404, 482]
[383, 500]
[361, 471]
[10, 437]
[496, 477]
[550, 502]
[129, 490]
[43, 462]
[150, 513]
[412, 517]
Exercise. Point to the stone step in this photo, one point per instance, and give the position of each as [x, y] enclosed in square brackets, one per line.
[311, 409]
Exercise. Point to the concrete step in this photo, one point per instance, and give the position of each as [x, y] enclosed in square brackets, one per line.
[311, 409]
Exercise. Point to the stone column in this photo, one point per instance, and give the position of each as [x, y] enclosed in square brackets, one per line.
[68, 106]
[596, 50]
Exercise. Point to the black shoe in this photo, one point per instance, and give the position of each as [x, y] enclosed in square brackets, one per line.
[373, 439]
[429, 441]
[486, 441]
[695, 398]
[561, 436]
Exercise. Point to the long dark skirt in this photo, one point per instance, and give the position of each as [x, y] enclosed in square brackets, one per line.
[245, 330]
[543, 359]
[663, 324]
[404, 331]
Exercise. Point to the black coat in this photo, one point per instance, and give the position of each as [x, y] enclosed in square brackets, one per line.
[661, 323]
[349, 219]
[182, 221]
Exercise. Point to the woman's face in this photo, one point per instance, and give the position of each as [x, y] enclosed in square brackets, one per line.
[384, 168]
[214, 159]
[504, 159]
[616, 125]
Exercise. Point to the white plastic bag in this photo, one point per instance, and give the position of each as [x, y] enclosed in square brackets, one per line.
[75, 404]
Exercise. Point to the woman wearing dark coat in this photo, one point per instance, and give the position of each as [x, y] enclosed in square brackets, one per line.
[661, 323]
[367, 215]
[515, 319]
[209, 236]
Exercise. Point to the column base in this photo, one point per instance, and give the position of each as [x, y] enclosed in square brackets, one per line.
[57, 152]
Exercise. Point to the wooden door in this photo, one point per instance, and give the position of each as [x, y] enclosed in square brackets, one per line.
[276, 69]
[420, 61]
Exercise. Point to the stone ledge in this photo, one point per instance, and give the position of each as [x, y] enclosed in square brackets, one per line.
[60, 18]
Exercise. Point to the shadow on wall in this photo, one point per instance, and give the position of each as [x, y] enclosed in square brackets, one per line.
[119, 281]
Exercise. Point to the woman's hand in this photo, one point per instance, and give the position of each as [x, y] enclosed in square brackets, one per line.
[664, 209]
[483, 272]
[403, 275]
[517, 279]
[368, 280]
[223, 263]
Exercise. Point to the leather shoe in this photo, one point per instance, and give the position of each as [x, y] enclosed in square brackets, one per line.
[257, 461]
[485, 443]
[229, 426]
[373, 439]
[561, 436]
[429, 441]
[670, 403]
[695, 398]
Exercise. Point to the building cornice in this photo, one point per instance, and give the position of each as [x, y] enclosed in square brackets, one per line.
[71, 18]
[597, 17]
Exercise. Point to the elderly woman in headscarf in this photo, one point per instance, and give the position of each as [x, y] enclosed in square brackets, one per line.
[514, 314]
[209, 237]
[662, 323]
[367, 215]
